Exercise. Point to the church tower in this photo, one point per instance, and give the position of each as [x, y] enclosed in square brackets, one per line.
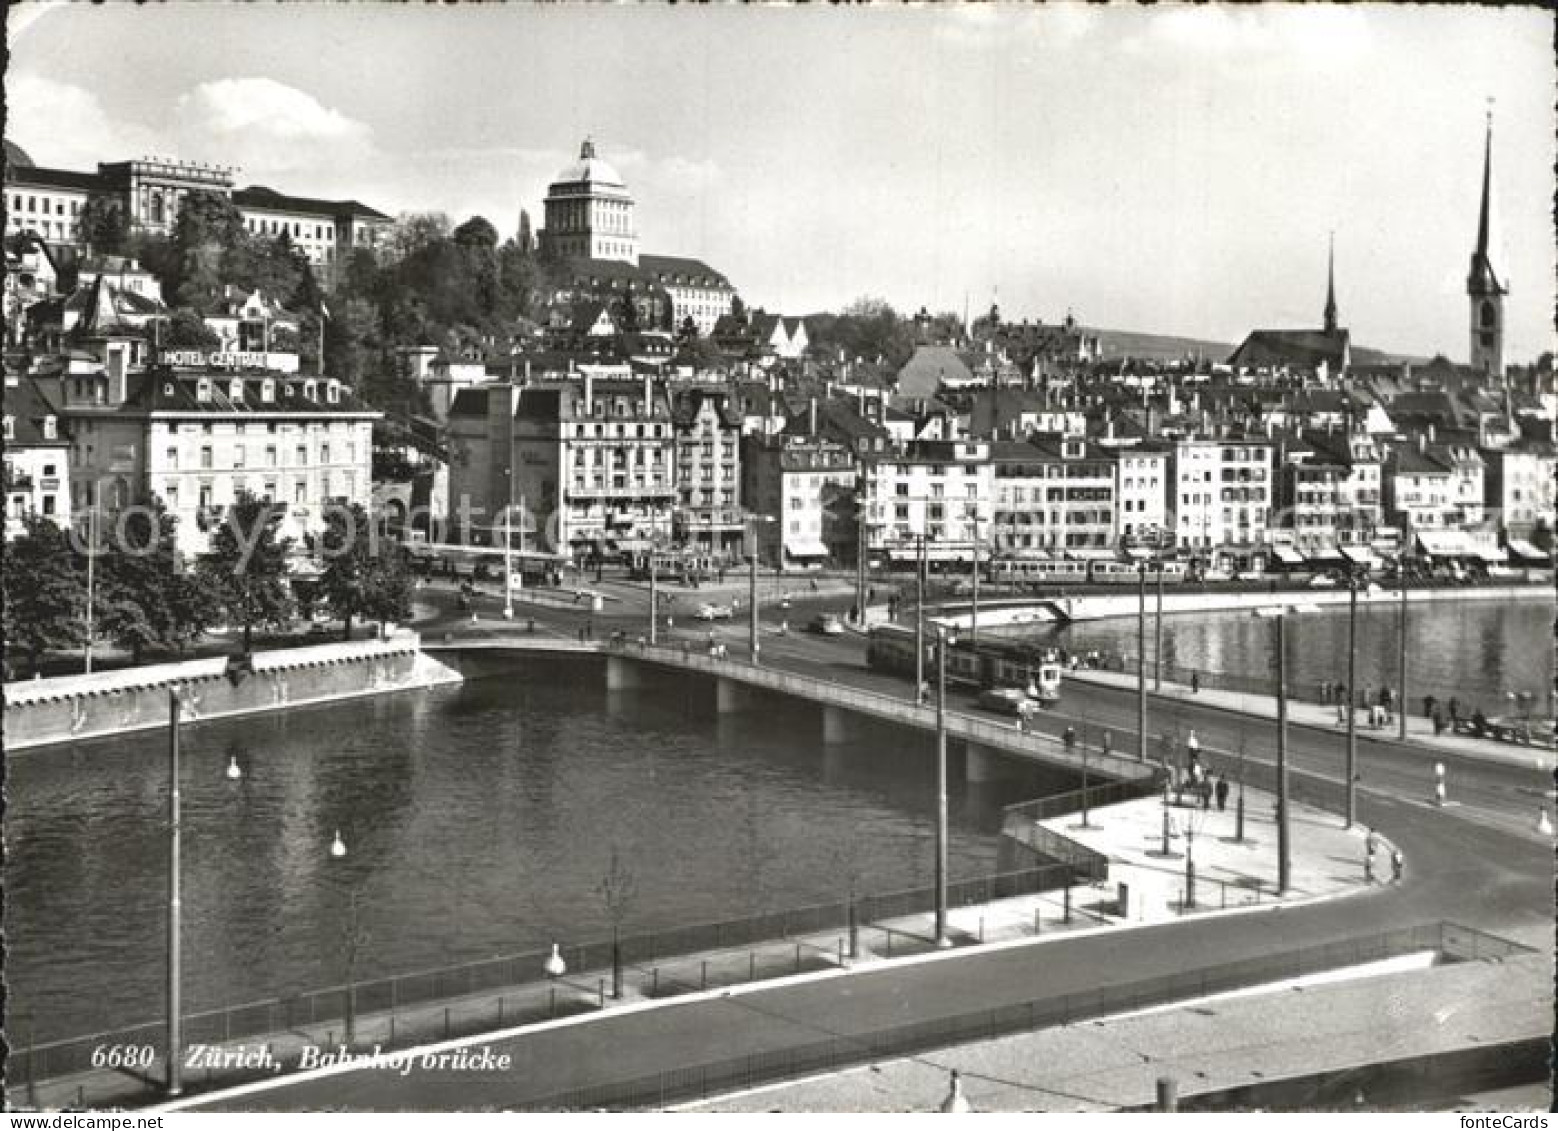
[1483, 287]
[1330, 288]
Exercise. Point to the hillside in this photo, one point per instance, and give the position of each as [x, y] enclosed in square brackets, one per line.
[1168, 347]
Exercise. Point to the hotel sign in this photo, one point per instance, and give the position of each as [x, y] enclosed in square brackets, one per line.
[216, 360]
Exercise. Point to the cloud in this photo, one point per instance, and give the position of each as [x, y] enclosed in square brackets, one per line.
[1307, 34]
[62, 125]
[266, 127]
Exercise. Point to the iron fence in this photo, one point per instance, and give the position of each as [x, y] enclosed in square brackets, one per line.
[328, 1005]
[660, 1090]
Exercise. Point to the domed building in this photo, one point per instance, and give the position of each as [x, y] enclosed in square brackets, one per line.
[16, 157]
[589, 212]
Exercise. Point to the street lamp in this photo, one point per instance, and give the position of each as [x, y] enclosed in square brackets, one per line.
[752, 520]
[352, 939]
[175, 1007]
[1284, 861]
[941, 786]
[1141, 662]
[1353, 582]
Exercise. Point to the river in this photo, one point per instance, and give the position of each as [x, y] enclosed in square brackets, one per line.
[479, 820]
[1475, 651]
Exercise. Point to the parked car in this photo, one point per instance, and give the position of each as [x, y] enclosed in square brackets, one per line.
[707, 611]
[1006, 701]
[1322, 581]
[827, 625]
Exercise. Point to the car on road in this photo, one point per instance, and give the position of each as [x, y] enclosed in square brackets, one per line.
[707, 611]
[1006, 701]
[1322, 581]
[827, 625]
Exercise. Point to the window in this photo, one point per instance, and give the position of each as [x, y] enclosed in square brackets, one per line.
[268, 391]
[240, 458]
[335, 391]
[270, 455]
[50, 428]
[170, 494]
[324, 453]
[171, 458]
[205, 456]
[302, 454]
[299, 491]
[203, 390]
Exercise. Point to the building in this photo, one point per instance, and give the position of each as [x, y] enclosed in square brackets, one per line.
[30, 278]
[1141, 475]
[590, 224]
[196, 436]
[938, 490]
[1221, 494]
[48, 202]
[1054, 495]
[1484, 290]
[1521, 484]
[595, 457]
[701, 293]
[37, 451]
[325, 231]
[708, 516]
[1326, 351]
[806, 484]
[589, 212]
[1328, 494]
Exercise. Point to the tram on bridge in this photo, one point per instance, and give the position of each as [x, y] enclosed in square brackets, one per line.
[982, 667]
[1019, 570]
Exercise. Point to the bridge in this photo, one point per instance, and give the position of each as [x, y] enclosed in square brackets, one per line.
[737, 681]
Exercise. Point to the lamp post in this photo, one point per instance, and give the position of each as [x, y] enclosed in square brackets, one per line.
[919, 621]
[1157, 632]
[1284, 846]
[92, 518]
[941, 787]
[1351, 697]
[654, 595]
[1402, 665]
[973, 624]
[753, 645]
[1141, 662]
[175, 1082]
[352, 939]
[508, 565]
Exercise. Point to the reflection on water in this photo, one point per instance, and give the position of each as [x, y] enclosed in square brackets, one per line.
[479, 820]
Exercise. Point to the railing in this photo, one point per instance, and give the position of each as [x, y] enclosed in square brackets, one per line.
[517, 971]
[1021, 823]
[1108, 763]
[663, 1089]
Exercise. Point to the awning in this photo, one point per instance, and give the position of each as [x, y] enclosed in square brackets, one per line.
[805, 548]
[1287, 555]
[1324, 552]
[1361, 555]
[1486, 550]
[1444, 544]
[1520, 548]
[1090, 553]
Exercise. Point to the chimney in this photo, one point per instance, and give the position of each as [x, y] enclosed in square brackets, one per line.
[649, 395]
[1430, 433]
[812, 413]
[589, 391]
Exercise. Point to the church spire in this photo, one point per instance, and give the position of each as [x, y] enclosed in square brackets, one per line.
[1484, 289]
[1484, 277]
[1330, 288]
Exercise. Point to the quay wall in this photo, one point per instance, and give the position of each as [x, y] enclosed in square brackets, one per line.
[44, 712]
[1104, 606]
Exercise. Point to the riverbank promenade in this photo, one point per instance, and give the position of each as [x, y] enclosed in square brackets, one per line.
[1230, 876]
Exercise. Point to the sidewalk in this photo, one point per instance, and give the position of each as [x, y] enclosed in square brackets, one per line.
[1400, 1010]
[1327, 863]
[1420, 731]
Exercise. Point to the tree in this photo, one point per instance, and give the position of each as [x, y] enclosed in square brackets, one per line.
[247, 566]
[103, 226]
[209, 226]
[45, 597]
[617, 889]
[146, 599]
[184, 329]
[415, 230]
[626, 315]
[525, 241]
[365, 576]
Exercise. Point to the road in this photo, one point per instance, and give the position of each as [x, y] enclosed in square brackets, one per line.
[1476, 863]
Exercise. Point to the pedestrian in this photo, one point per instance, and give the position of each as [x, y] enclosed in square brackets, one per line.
[1222, 793]
[1428, 706]
[1070, 739]
[1195, 683]
[1455, 710]
[1397, 864]
[1206, 793]
[1438, 722]
[1193, 744]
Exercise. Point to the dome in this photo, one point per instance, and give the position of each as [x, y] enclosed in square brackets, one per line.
[590, 168]
[16, 157]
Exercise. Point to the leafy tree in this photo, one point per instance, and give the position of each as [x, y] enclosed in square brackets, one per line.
[45, 596]
[416, 230]
[145, 598]
[184, 329]
[364, 576]
[103, 225]
[208, 227]
[626, 315]
[477, 232]
[247, 566]
[688, 331]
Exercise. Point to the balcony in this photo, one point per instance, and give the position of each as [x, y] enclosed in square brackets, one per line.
[661, 491]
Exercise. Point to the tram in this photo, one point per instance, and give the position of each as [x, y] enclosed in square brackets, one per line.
[1040, 572]
[992, 664]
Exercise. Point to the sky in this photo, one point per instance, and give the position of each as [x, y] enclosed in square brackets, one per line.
[1167, 169]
